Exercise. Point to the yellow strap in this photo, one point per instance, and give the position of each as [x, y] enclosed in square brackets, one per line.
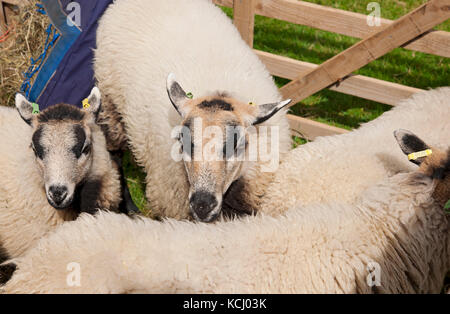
[423, 153]
[86, 103]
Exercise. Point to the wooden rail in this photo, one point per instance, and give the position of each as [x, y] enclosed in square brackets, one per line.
[411, 31]
[311, 129]
[357, 85]
[367, 50]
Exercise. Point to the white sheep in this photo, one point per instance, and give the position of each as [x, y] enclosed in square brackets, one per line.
[338, 168]
[51, 168]
[137, 98]
[395, 239]
[209, 55]
[196, 41]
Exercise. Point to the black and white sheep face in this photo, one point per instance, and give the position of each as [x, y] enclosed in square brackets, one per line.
[214, 139]
[62, 145]
[64, 158]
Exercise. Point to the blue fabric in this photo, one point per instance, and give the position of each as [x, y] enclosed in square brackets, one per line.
[67, 75]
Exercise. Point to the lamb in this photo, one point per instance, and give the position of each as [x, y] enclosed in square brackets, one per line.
[325, 171]
[214, 65]
[394, 239]
[53, 167]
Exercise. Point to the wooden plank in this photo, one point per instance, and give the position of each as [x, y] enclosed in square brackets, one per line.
[341, 22]
[310, 129]
[8, 13]
[19, 3]
[357, 85]
[244, 19]
[401, 31]
[435, 42]
[3, 27]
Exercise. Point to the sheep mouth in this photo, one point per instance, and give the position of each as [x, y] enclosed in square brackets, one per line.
[63, 206]
[210, 218]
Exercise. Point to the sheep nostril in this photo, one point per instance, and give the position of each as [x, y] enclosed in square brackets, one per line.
[202, 203]
[58, 194]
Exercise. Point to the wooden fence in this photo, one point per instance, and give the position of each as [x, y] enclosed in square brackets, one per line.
[6, 11]
[337, 21]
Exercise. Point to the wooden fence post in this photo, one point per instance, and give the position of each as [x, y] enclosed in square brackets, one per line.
[6, 11]
[244, 19]
[2, 19]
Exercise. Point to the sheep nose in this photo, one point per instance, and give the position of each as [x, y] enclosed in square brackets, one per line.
[202, 203]
[58, 194]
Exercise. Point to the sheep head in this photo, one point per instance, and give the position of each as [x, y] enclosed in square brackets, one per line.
[214, 141]
[62, 145]
[435, 165]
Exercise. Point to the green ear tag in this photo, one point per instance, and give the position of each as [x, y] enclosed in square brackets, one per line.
[447, 207]
[189, 95]
[35, 108]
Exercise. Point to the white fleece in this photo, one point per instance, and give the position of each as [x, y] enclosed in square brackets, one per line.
[338, 168]
[395, 231]
[139, 42]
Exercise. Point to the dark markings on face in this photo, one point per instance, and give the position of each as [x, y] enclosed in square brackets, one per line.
[80, 139]
[216, 104]
[443, 170]
[235, 200]
[6, 272]
[3, 254]
[89, 193]
[36, 143]
[61, 112]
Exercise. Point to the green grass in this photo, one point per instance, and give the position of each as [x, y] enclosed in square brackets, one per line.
[307, 44]
[135, 177]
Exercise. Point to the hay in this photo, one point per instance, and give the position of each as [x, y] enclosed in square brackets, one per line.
[27, 40]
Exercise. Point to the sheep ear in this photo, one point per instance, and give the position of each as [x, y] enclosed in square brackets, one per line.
[266, 111]
[92, 104]
[25, 108]
[410, 143]
[177, 95]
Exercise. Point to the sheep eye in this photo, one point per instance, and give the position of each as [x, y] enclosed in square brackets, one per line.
[36, 153]
[185, 143]
[86, 150]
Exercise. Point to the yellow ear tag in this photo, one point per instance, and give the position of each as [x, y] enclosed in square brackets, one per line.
[86, 103]
[35, 108]
[422, 153]
[251, 103]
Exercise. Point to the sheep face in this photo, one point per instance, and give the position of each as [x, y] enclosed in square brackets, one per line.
[62, 144]
[435, 166]
[214, 135]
